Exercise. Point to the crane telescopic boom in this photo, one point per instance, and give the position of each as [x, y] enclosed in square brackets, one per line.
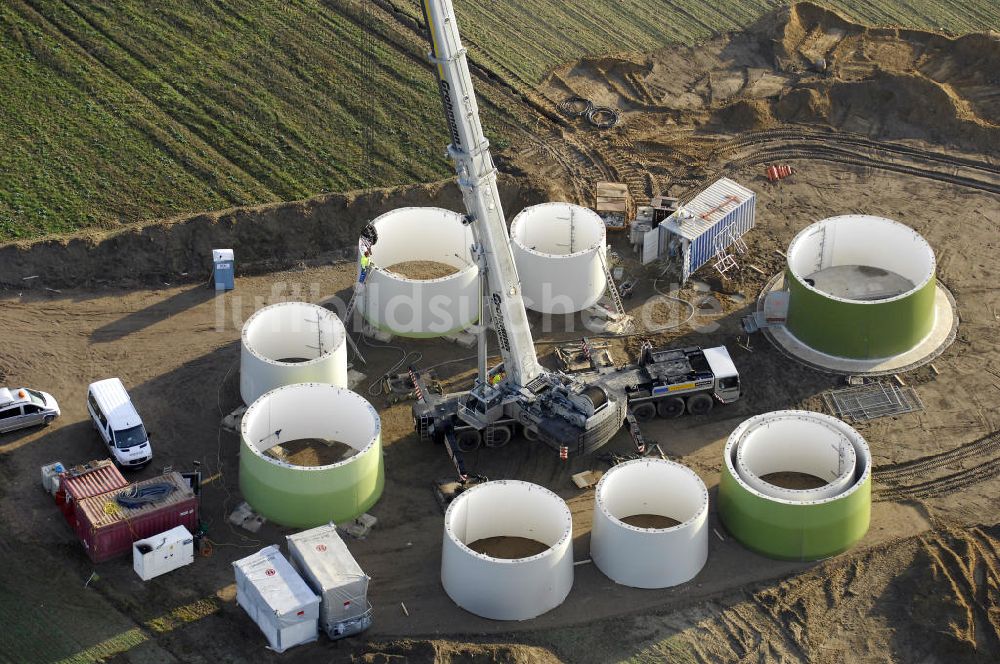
[563, 412]
[477, 178]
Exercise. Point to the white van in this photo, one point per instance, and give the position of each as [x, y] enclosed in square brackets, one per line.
[118, 423]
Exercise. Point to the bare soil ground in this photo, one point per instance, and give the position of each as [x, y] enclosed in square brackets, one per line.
[422, 269]
[508, 547]
[901, 124]
[311, 452]
[650, 521]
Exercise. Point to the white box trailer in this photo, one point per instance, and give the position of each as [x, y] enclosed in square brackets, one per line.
[330, 570]
[162, 553]
[277, 599]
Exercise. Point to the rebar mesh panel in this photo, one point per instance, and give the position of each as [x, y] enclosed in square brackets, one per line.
[871, 401]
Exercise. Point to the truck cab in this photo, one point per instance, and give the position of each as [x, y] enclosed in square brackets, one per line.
[727, 378]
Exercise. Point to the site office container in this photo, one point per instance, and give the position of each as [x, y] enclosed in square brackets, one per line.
[714, 219]
[107, 530]
[85, 481]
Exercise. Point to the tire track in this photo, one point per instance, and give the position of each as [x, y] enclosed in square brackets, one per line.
[985, 451]
[945, 484]
[838, 155]
[761, 147]
[758, 137]
[892, 473]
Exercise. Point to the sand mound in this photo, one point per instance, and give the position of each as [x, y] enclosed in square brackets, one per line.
[508, 548]
[311, 452]
[927, 598]
[650, 521]
[806, 64]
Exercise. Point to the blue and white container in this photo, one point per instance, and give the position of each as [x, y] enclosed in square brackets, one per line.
[711, 222]
[223, 268]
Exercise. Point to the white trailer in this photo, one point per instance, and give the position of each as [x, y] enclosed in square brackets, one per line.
[331, 571]
[277, 599]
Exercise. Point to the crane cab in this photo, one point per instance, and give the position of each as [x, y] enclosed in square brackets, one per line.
[482, 406]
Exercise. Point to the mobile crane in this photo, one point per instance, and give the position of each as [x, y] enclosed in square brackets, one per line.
[568, 414]
[571, 413]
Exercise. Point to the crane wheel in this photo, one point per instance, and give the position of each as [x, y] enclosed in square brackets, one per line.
[500, 437]
[469, 440]
[700, 404]
[529, 435]
[670, 408]
[644, 412]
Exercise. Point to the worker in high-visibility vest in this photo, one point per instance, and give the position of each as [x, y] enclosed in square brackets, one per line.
[366, 260]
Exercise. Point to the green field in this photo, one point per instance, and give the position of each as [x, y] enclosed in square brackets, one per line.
[123, 110]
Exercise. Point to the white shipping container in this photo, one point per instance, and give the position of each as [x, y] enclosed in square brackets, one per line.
[330, 570]
[277, 599]
[162, 553]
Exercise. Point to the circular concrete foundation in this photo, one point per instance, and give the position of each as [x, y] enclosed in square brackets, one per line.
[941, 336]
[860, 287]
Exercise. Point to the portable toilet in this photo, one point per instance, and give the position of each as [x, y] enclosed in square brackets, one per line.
[277, 599]
[331, 571]
[223, 267]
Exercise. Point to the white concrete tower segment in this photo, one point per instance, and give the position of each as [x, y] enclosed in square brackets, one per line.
[413, 307]
[650, 557]
[560, 250]
[291, 342]
[502, 588]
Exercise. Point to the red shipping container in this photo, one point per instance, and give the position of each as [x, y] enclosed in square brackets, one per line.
[107, 529]
[90, 479]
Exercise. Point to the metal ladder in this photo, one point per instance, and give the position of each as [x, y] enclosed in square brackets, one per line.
[737, 241]
[724, 261]
[423, 429]
[822, 247]
[351, 304]
[612, 289]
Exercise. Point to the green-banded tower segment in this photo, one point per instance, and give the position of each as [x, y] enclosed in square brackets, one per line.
[859, 330]
[790, 531]
[860, 287]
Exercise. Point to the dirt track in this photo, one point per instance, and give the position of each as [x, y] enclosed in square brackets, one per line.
[921, 586]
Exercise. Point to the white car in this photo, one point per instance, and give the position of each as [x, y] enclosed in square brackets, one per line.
[21, 407]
